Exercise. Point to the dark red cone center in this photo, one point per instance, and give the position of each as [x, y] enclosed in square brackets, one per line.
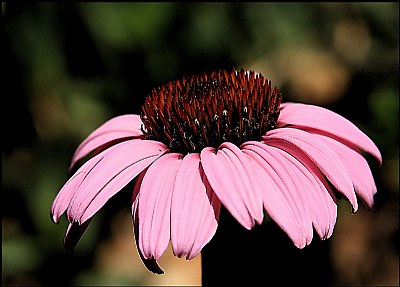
[209, 109]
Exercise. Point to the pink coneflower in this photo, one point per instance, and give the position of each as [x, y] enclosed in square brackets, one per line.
[212, 139]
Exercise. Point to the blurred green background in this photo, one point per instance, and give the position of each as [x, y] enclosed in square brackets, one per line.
[67, 68]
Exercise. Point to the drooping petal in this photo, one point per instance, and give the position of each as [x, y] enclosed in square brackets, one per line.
[357, 167]
[282, 201]
[136, 188]
[274, 201]
[293, 141]
[215, 202]
[310, 117]
[216, 206]
[74, 234]
[242, 164]
[154, 208]
[67, 192]
[193, 218]
[227, 174]
[118, 166]
[151, 264]
[118, 128]
[319, 202]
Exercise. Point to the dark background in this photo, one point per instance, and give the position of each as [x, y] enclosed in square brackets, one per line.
[67, 68]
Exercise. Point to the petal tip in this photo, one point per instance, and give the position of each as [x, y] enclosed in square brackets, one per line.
[54, 218]
[152, 265]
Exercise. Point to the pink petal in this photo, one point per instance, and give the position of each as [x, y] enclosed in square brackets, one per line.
[216, 206]
[228, 174]
[274, 201]
[151, 264]
[254, 197]
[118, 165]
[296, 142]
[215, 202]
[357, 167]
[118, 128]
[309, 118]
[193, 218]
[67, 192]
[155, 205]
[136, 188]
[282, 201]
[318, 200]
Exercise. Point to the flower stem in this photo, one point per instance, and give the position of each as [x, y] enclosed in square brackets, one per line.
[262, 256]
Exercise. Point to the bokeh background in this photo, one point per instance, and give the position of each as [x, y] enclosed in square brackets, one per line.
[67, 68]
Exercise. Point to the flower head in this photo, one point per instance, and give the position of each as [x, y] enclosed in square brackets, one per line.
[215, 139]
